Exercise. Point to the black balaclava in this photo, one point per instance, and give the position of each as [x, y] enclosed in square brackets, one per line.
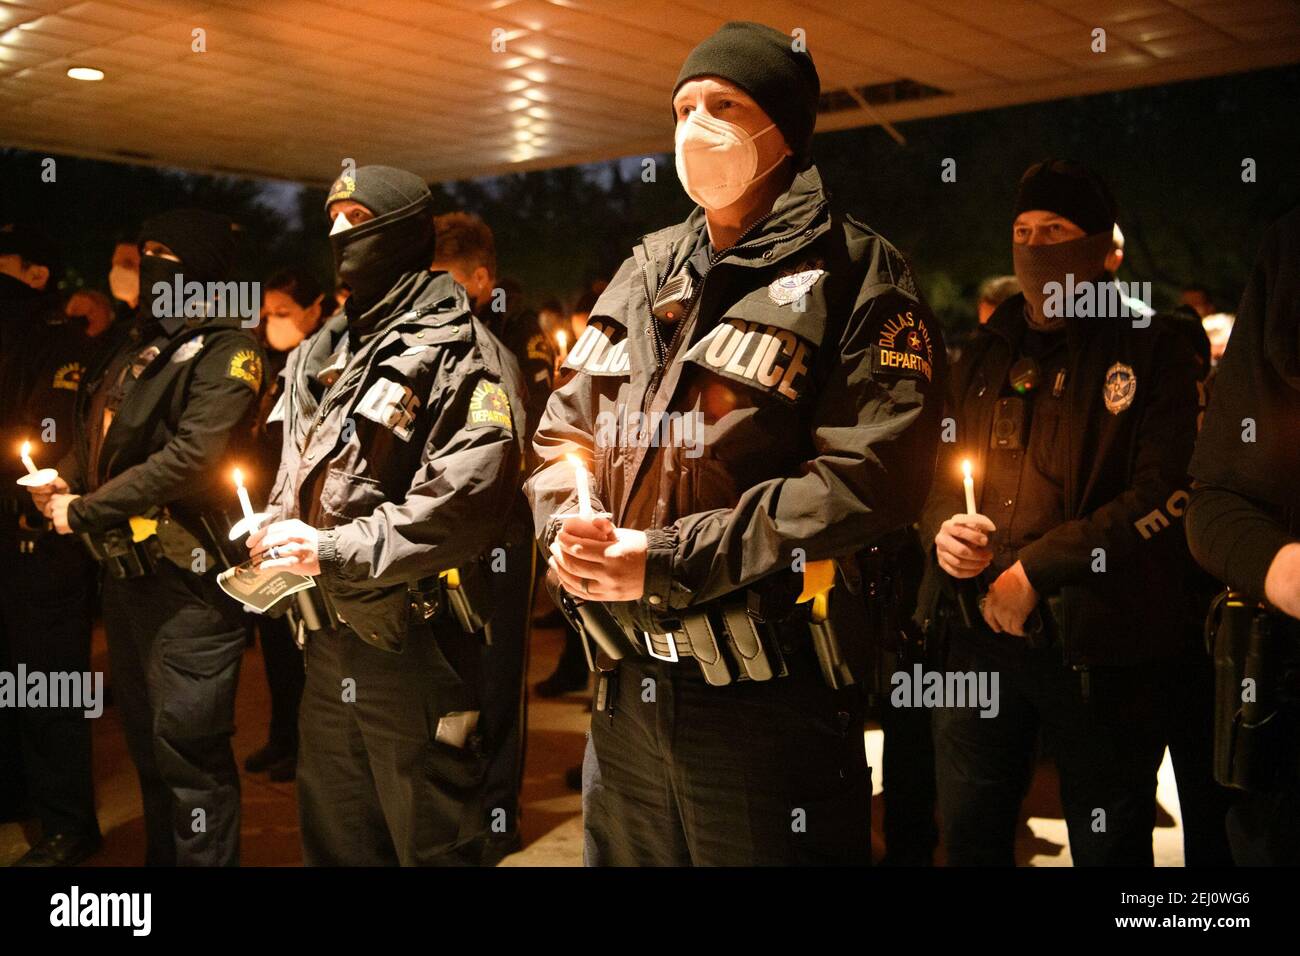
[762, 61]
[203, 241]
[1076, 193]
[373, 256]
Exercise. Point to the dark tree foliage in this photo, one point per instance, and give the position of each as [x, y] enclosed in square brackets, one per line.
[1172, 154]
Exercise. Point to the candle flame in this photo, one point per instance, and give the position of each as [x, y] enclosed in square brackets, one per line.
[574, 460]
[239, 478]
[27, 449]
[561, 338]
[965, 467]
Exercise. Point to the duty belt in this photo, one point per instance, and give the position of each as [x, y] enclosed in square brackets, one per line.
[728, 639]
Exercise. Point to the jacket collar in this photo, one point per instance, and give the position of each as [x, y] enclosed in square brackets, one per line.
[796, 218]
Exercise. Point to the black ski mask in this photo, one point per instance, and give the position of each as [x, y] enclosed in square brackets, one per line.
[203, 241]
[372, 257]
[1038, 265]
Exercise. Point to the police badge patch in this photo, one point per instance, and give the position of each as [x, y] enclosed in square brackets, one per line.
[246, 365]
[790, 288]
[489, 405]
[188, 350]
[905, 348]
[1119, 388]
[68, 376]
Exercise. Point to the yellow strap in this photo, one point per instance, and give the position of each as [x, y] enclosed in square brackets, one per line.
[452, 577]
[818, 579]
[142, 528]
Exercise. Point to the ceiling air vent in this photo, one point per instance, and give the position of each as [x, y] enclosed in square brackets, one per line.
[876, 94]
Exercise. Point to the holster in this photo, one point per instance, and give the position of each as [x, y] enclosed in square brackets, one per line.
[1254, 741]
[309, 615]
[122, 557]
[468, 595]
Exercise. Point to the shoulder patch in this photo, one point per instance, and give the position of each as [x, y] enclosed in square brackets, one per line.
[68, 376]
[489, 406]
[246, 365]
[539, 348]
[904, 347]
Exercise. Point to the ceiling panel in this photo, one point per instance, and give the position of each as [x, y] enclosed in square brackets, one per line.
[467, 88]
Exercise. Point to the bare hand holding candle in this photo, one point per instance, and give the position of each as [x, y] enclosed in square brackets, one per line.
[35, 477]
[962, 542]
[251, 520]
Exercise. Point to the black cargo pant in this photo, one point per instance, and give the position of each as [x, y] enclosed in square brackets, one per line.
[1107, 751]
[679, 773]
[175, 643]
[375, 788]
[504, 669]
[284, 678]
[45, 609]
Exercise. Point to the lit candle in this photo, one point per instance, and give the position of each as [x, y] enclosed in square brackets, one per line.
[582, 480]
[244, 503]
[27, 458]
[969, 484]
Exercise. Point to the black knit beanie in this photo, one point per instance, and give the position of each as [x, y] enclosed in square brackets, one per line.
[381, 189]
[1068, 189]
[762, 62]
[204, 241]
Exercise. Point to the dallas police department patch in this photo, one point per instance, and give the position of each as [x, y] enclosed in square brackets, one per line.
[489, 405]
[904, 347]
[343, 188]
[1119, 388]
[392, 405]
[790, 288]
[246, 365]
[68, 376]
[188, 350]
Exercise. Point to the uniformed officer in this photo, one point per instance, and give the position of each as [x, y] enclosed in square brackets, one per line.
[467, 250]
[403, 432]
[1079, 419]
[143, 487]
[1243, 525]
[46, 580]
[786, 365]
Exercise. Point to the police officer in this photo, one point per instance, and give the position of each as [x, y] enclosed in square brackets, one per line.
[1079, 422]
[467, 250]
[787, 365]
[402, 442]
[1244, 527]
[46, 580]
[143, 487]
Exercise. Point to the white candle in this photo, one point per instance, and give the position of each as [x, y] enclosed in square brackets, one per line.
[27, 458]
[969, 484]
[582, 480]
[244, 503]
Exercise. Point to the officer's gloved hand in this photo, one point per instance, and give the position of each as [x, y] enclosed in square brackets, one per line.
[962, 545]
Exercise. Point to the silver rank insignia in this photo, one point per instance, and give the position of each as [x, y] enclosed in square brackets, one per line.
[1119, 388]
[788, 289]
[188, 350]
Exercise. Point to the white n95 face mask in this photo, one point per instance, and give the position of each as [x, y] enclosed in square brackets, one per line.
[716, 160]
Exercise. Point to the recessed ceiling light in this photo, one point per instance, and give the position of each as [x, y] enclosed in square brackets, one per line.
[87, 73]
